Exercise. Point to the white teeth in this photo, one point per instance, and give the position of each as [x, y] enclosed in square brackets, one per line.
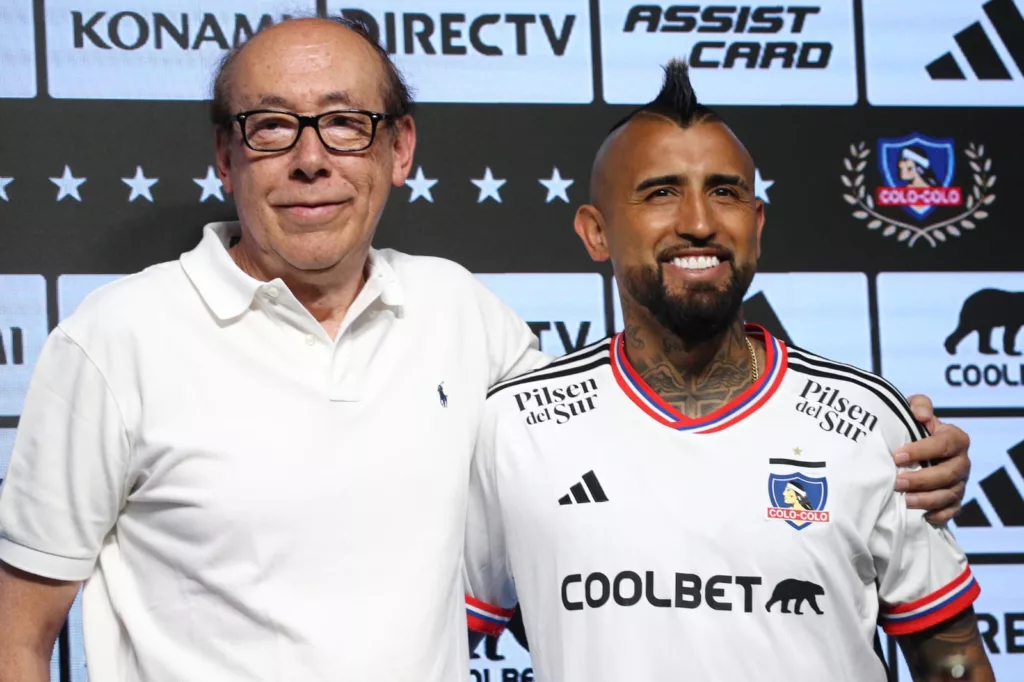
[695, 262]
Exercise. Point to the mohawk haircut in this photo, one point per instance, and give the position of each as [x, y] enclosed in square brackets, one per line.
[677, 101]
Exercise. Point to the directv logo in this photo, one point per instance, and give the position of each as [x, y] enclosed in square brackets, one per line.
[978, 49]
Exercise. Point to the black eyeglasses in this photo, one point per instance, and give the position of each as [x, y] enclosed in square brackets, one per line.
[348, 130]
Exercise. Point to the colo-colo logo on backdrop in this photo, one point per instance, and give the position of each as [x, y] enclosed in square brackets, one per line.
[915, 189]
[808, 50]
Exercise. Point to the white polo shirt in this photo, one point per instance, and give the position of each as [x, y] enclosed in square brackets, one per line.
[247, 499]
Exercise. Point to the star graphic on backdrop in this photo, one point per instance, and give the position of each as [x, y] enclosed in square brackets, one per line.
[797, 451]
[140, 185]
[556, 185]
[420, 186]
[489, 186]
[761, 186]
[67, 185]
[211, 185]
[3, 187]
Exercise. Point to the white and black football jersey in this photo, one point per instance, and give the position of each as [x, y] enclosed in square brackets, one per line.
[762, 542]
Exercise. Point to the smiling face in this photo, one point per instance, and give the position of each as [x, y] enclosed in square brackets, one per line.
[675, 212]
[308, 209]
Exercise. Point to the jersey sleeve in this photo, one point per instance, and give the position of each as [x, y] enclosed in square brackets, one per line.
[490, 591]
[923, 575]
[512, 348]
[65, 484]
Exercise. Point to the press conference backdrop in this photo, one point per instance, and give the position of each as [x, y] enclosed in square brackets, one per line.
[908, 268]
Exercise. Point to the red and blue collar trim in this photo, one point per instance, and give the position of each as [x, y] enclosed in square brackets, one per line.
[736, 410]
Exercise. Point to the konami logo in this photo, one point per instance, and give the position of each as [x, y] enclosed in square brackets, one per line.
[149, 49]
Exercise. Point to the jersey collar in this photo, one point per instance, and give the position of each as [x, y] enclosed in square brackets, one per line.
[738, 408]
[229, 292]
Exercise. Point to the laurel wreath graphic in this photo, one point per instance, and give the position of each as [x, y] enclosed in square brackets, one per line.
[863, 203]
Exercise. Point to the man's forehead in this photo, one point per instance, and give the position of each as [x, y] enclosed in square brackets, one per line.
[653, 145]
[318, 61]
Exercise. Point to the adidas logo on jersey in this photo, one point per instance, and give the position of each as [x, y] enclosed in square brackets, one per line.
[979, 50]
[559, 404]
[579, 494]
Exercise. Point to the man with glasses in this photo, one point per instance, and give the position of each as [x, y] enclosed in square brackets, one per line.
[257, 456]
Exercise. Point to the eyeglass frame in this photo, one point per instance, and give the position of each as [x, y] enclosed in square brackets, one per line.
[313, 122]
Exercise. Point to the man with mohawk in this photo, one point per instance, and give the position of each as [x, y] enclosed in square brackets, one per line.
[619, 494]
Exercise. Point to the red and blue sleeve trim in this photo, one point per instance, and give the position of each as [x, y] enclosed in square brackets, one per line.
[937, 607]
[485, 618]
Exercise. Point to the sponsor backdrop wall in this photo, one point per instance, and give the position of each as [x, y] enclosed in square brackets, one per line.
[886, 134]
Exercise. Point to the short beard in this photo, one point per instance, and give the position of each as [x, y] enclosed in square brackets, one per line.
[702, 313]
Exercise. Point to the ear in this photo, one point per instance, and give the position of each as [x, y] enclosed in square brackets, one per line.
[759, 210]
[222, 147]
[589, 225]
[403, 147]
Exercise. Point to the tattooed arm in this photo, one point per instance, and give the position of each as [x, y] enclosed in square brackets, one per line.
[933, 654]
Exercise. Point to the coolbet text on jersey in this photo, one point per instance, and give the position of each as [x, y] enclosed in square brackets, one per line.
[763, 542]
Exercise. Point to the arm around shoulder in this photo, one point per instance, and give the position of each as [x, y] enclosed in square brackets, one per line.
[32, 612]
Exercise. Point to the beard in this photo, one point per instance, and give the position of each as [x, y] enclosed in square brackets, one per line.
[700, 313]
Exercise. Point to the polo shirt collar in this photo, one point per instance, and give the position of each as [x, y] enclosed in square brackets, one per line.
[229, 292]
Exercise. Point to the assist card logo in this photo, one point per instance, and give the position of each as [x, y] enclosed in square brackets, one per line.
[919, 196]
[798, 499]
[805, 51]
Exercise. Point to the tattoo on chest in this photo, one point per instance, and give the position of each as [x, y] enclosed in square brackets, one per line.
[696, 395]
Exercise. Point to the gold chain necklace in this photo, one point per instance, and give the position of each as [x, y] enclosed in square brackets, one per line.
[753, 359]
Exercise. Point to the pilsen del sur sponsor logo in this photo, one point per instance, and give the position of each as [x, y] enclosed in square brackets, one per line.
[917, 189]
[558, 404]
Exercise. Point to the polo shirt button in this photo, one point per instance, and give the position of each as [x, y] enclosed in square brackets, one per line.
[310, 339]
[273, 292]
